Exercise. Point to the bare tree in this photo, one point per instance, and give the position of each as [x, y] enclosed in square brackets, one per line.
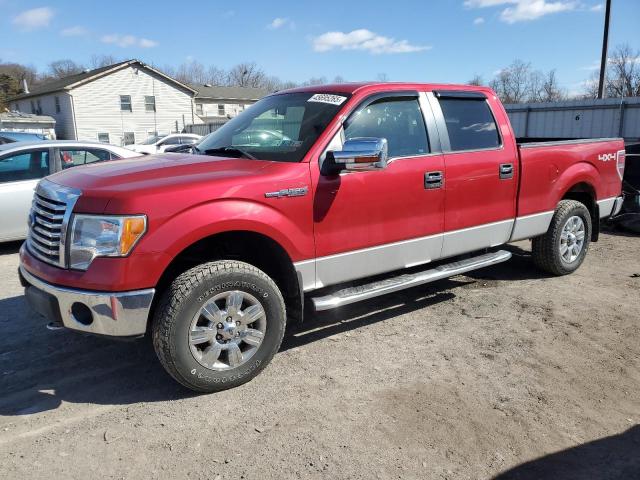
[99, 61]
[512, 84]
[216, 76]
[382, 77]
[622, 77]
[623, 72]
[339, 79]
[246, 75]
[476, 80]
[551, 91]
[64, 68]
[316, 81]
[20, 72]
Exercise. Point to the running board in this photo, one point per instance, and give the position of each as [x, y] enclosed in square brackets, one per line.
[407, 280]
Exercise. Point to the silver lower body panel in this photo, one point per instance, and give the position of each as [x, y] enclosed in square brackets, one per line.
[350, 295]
[116, 314]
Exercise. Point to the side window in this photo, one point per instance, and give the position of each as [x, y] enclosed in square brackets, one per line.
[24, 166]
[171, 141]
[399, 120]
[470, 124]
[129, 138]
[125, 103]
[74, 157]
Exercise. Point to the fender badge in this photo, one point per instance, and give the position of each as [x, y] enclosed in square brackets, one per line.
[288, 192]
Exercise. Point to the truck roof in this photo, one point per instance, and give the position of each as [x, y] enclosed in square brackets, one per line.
[354, 87]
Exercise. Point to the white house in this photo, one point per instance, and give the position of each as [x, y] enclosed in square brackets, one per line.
[122, 104]
[215, 103]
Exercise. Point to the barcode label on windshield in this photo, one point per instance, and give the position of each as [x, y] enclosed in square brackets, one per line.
[327, 98]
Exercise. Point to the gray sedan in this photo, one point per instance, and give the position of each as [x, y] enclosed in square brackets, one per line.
[23, 164]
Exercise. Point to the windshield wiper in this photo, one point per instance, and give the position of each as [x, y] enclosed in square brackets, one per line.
[231, 150]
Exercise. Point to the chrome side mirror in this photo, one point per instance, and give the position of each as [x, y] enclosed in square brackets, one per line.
[357, 154]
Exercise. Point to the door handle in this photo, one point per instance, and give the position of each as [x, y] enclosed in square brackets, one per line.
[433, 180]
[506, 171]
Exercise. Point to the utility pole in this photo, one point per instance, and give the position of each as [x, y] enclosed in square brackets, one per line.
[605, 42]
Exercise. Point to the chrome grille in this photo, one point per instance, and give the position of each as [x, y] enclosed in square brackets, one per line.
[48, 220]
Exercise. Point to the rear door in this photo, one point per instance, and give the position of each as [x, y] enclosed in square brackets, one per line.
[481, 171]
[19, 174]
[371, 222]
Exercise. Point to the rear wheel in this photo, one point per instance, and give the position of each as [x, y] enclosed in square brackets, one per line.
[562, 249]
[219, 325]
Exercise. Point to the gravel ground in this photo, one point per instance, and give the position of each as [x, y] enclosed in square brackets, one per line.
[503, 372]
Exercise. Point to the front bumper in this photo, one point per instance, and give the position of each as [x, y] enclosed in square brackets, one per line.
[115, 314]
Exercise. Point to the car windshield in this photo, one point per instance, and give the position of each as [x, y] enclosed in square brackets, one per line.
[152, 140]
[281, 127]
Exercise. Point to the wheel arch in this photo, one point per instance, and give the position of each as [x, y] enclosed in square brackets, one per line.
[585, 193]
[252, 247]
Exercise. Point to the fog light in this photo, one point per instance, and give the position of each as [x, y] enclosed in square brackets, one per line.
[81, 313]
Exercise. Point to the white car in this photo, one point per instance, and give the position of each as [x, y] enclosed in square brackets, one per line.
[23, 164]
[159, 143]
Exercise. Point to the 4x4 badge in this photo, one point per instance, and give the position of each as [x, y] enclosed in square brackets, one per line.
[288, 192]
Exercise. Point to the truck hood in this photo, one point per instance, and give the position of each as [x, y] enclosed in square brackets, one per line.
[155, 171]
[154, 175]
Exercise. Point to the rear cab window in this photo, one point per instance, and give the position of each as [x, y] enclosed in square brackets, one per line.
[470, 123]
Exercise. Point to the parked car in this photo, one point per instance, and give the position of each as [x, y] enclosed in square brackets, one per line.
[215, 255]
[158, 144]
[23, 164]
[7, 136]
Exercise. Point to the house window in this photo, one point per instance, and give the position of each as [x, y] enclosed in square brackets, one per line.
[150, 103]
[125, 103]
[221, 109]
[57, 100]
[199, 110]
[39, 110]
[129, 138]
[103, 138]
[33, 107]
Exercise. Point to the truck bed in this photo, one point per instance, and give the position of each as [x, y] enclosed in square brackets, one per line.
[592, 161]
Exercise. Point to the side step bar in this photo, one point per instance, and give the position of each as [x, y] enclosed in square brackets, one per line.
[408, 280]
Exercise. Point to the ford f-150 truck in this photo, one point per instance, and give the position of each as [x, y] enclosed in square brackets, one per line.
[300, 199]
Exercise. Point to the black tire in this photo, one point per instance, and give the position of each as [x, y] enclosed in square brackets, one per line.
[182, 301]
[546, 248]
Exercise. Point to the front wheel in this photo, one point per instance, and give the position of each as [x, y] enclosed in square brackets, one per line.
[218, 325]
[562, 249]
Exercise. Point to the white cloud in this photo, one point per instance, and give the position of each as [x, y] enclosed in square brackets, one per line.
[34, 18]
[363, 39]
[279, 23]
[76, 31]
[125, 41]
[524, 10]
[597, 8]
[478, 21]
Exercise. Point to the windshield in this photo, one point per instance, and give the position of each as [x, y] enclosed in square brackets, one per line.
[281, 127]
[153, 139]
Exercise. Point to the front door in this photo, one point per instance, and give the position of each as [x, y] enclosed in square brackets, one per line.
[377, 221]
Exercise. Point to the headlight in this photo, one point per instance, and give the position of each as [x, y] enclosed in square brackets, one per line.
[103, 236]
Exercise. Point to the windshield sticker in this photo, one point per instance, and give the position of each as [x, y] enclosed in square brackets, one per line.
[327, 98]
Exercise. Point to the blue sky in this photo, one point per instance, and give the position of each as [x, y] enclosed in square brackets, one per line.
[437, 40]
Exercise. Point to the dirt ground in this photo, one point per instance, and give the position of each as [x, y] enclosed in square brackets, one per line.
[504, 372]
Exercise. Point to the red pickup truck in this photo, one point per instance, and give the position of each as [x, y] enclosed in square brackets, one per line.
[292, 201]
